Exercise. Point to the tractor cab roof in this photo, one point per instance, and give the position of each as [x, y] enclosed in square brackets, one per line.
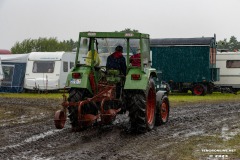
[113, 35]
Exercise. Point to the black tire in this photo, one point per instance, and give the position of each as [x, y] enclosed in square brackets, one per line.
[162, 111]
[142, 108]
[199, 90]
[210, 88]
[235, 90]
[75, 95]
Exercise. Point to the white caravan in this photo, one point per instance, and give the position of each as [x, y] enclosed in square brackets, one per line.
[48, 70]
[229, 64]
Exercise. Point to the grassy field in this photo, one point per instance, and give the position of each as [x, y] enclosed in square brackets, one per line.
[175, 98]
[181, 99]
[32, 95]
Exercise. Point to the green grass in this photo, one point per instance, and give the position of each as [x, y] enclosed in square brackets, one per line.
[175, 99]
[32, 95]
[181, 99]
[193, 148]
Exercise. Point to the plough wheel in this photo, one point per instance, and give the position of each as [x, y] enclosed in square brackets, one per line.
[60, 119]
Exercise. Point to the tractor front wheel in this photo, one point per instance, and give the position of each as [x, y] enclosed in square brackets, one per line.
[142, 108]
[162, 114]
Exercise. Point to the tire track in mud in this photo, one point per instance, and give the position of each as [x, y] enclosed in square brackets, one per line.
[41, 140]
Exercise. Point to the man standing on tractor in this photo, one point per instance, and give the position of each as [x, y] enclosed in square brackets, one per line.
[135, 59]
[117, 61]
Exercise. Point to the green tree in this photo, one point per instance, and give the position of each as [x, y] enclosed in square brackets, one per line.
[233, 43]
[230, 45]
[43, 45]
[129, 30]
[222, 44]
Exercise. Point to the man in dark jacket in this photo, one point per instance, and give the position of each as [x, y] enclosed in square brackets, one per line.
[117, 61]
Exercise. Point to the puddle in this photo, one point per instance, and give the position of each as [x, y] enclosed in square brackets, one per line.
[194, 133]
[32, 139]
[226, 134]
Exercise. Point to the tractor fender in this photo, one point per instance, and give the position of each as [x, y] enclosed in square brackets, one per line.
[160, 95]
[85, 81]
[142, 82]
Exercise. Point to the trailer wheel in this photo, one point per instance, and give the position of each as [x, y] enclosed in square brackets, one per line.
[162, 113]
[210, 88]
[199, 89]
[142, 108]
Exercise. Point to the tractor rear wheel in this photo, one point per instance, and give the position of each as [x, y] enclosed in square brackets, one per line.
[142, 108]
[162, 114]
[75, 95]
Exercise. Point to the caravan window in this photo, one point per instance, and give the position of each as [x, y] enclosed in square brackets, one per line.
[8, 71]
[71, 65]
[65, 66]
[43, 66]
[233, 64]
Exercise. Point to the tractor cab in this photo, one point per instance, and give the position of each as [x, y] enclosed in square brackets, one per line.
[97, 94]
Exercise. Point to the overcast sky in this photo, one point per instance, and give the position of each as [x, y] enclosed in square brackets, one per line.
[64, 19]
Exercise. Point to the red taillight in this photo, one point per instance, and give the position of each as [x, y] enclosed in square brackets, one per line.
[76, 75]
[136, 76]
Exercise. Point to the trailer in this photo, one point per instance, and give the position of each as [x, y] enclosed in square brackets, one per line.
[14, 67]
[47, 71]
[186, 63]
[229, 64]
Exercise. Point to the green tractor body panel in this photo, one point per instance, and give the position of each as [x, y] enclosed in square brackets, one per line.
[137, 79]
[113, 35]
[82, 81]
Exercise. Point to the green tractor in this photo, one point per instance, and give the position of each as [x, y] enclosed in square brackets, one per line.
[97, 94]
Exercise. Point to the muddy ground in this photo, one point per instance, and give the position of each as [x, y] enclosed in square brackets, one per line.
[27, 132]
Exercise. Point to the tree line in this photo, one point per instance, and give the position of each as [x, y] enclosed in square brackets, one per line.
[43, 45]
[52, 44]
[231, 45]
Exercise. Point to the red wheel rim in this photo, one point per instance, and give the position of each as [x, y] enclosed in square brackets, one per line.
[151, 105]
[198, 90]
[164, 110]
